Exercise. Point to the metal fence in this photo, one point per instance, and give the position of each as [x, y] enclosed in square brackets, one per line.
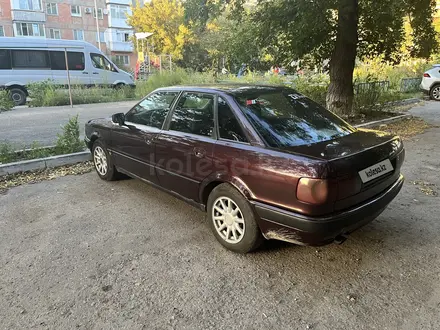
[374, 85]
[410, 85]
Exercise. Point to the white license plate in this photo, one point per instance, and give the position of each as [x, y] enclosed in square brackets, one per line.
[375, 171]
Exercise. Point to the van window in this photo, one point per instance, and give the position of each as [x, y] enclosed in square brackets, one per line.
[5, 59]
[100, 62]
[30, 59]
[74, 59]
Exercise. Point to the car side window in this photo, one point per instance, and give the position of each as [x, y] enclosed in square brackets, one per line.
[194, 113]
[228, 125]
[100, 62]
[152, 110]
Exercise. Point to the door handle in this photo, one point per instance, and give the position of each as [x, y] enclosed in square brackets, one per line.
[148, 140]
[85, 73]
[95, 72]
[199, 152]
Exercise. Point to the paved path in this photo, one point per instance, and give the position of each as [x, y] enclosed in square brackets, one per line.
[25, 125]
[430, 111]
[78, 252]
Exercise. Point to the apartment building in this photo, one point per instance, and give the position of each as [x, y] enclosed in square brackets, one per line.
[72, 19]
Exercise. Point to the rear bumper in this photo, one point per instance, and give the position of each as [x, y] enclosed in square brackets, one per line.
[292, 227]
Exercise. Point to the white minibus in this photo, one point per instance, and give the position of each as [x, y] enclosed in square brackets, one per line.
[29, 60]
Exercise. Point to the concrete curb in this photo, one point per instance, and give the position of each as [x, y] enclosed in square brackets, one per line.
[42, 163]
[406, 101]
[383, 121]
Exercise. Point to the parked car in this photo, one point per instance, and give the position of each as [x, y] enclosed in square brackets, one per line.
[262, 161]
[431, 82]
[37, 60]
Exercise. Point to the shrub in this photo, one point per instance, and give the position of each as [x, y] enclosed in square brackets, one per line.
[69, 141]
[6, 102]
[171, 78]
[315, 87]
[7, 154]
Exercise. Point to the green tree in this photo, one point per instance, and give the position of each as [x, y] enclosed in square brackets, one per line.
[342, 30]
[165, 19]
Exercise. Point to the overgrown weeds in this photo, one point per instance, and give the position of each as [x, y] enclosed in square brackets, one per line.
[68, 142]
[6, 102]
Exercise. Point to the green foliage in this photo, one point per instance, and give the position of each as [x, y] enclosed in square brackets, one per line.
[7, 154]
[69, 141]
[46, 94]
[313, 86]
[5, 101]
[167, 78]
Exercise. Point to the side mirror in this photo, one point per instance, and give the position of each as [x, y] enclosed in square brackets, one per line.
[118, 118]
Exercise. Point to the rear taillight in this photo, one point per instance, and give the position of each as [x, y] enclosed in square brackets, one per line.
[426, 75]
[313, 191]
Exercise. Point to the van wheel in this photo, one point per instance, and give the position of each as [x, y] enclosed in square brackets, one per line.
[435, 93]
[119, 86]
[233, 220]
[18, 95]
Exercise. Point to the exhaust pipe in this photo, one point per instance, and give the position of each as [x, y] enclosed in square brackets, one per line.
[340, 239]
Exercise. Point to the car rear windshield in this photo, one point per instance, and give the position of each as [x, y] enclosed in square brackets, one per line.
[285, 118]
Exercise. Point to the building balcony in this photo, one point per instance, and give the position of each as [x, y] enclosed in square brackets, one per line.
[120, 46]
[121, 2]
[118, 23]
[28, 15]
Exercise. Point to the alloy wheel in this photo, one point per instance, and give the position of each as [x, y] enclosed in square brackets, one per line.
[228, 220]
[436, 93]
[100, 160]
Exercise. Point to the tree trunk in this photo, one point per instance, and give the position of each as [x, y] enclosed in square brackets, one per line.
[340, 93]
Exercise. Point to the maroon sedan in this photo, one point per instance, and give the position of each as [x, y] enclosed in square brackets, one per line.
[262, 161]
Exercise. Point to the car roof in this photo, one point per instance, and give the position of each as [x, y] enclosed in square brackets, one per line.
[232, 89]
[23, 42]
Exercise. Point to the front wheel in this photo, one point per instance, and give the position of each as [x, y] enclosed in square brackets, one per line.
[232, 220]
[103, 163]
[435, 93]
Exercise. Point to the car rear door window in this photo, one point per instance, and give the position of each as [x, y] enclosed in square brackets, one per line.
[194, 114]
[228, 125]
[152, 110]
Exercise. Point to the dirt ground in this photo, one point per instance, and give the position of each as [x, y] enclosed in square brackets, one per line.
[77, 252]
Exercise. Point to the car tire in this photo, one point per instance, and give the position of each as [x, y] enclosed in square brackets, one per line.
[18, 95]
[435, 93]
[103, 163]
[236, 228]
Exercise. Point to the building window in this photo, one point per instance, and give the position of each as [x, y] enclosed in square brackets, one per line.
[78, 34]
[2, 31]
[29, 29]
[75, 10]
[54, 34]
[101, 37]
[118, 11]
[27, 4]
[100, 14]
[52, 8]
[122, 59]
[122, 36]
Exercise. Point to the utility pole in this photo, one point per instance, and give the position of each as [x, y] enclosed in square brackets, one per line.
[97, 26]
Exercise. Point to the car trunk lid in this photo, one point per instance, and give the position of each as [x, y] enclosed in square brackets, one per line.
[367, 151]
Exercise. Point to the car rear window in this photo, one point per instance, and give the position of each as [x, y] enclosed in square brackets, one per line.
[285, 118]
